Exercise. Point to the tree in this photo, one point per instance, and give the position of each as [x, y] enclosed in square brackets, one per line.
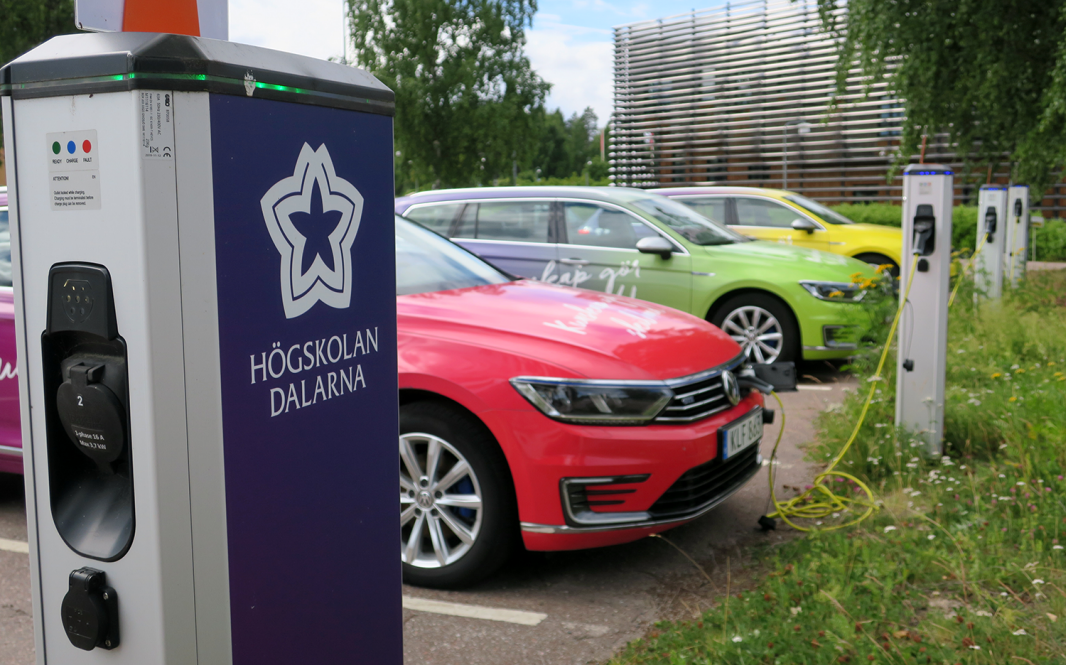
[26, 23]
[466, 95]
[564, 147]
[990, 73]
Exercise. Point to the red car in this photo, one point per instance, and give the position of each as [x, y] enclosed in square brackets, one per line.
[10, 429]
[572, 418]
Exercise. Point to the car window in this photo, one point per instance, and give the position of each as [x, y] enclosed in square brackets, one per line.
[426, 262]
[760, 212]
[598, 226]
[436, 218]
[5, 249]
[828, 214]
[686, 222]
[467, 227]
[524, 221]
[711, 208]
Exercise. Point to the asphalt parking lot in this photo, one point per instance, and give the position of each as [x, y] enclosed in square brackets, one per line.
[550, 608]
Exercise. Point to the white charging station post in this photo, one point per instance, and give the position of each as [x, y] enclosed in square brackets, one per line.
[1017, 245]
[991, 234]
[923, 336]
[204, 257]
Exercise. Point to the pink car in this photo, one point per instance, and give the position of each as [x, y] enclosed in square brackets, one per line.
[10, 430]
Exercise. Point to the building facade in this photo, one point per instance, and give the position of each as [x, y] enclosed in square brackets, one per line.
[746, 94]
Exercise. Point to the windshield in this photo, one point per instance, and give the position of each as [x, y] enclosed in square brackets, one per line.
[5, 249]
[426, 262]
[688, 223]
[827, 214]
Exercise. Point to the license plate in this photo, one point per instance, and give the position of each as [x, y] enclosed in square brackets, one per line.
[741, 433]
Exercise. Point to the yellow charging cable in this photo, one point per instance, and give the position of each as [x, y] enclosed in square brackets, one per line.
[981, 236]
[806, 505]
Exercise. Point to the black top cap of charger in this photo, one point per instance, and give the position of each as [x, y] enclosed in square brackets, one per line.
[80, 299]
[102, 62]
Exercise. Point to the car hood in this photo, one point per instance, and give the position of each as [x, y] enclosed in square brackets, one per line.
[585, 333]
[789, 262]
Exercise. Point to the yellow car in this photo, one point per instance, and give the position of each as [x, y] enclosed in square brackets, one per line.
[787, 217]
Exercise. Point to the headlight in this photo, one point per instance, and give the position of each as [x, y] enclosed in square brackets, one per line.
[834, 291]
[595, 402]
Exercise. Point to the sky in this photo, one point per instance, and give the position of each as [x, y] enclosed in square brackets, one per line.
[570, 43]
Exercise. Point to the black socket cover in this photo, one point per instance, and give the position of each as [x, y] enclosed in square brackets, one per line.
[91, 414]
[90, 611]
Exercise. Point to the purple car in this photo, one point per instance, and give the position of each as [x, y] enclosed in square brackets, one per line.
[10, 429]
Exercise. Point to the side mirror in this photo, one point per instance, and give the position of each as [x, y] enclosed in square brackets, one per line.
[655, 245]
[804, 225]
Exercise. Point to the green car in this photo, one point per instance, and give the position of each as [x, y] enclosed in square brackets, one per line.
[779, 302]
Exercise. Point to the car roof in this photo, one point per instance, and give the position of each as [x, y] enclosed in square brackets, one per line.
[609, 194]
[751, 191]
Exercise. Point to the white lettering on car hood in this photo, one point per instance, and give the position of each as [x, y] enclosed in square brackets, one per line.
[636, 320]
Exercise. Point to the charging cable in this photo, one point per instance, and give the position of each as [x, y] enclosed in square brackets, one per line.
[820, 501]
[973, 262]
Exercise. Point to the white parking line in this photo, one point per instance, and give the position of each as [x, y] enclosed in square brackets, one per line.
[805, 386]
[473, 611]
[14, 546]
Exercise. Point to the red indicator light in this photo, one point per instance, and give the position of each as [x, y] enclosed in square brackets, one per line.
[86, 146]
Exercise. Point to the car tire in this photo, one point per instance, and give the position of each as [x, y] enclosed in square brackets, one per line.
[876, 260]
[439, 505]
[735, 315]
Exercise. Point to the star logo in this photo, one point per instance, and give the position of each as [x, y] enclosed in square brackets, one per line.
[313, 217]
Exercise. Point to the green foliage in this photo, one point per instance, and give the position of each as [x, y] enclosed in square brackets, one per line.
[964, 563]
[26, 23]
[565, 146]
[990, 73]
[1050, 240]
[466, 96]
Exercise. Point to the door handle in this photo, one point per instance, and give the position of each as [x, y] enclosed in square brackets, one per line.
[574, 262]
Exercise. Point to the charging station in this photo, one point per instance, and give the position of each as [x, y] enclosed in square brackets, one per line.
[991, 233]
[204, 258]
[923, 336]
[1017, 246]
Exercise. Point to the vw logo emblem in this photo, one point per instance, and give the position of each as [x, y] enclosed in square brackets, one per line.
[731, 387]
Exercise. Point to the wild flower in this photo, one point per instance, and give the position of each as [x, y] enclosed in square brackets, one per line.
[795, 610]
[889, 528]
[738, 638]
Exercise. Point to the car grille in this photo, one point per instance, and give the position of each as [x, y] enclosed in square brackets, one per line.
[696, 397]
[706, 484]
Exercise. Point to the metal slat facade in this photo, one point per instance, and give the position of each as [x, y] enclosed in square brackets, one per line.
[715, 96]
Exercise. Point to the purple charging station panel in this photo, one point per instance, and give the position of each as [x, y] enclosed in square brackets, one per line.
[305, 255]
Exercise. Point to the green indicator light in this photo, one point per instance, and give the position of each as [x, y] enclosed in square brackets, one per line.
[55, 147]
[201, 77]
[119, 77]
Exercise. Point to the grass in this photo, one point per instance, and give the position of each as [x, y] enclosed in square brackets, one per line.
[964, 563]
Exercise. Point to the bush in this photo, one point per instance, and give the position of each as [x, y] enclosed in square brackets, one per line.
[1050, 241]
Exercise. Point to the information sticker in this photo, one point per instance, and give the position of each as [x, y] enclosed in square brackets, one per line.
[73, 170]
[157, 125]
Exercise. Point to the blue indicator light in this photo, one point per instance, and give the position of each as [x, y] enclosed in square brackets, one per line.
[71, 147]
[930, 173]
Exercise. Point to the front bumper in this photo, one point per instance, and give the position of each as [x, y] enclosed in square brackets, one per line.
[549, 459]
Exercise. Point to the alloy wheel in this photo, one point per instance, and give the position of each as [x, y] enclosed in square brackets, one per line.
[757, 331]
[440, 502]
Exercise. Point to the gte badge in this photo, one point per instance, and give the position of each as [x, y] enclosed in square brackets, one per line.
[313, 217]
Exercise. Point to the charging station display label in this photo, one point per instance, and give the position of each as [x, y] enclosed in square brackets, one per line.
[73, 170]
[305, 262]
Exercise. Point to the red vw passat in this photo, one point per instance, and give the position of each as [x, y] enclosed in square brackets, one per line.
[574, 418]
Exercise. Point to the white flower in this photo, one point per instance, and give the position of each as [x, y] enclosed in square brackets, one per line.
[931, 536]
[1057, 547]
[1038, 581]
[1003, 593]
[915, 493]
[1020, 631]
[738, 638]
[755, 632]
[889, 528]
[975, 647]
[983, 613]
[1019, 484]
[795, 610]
